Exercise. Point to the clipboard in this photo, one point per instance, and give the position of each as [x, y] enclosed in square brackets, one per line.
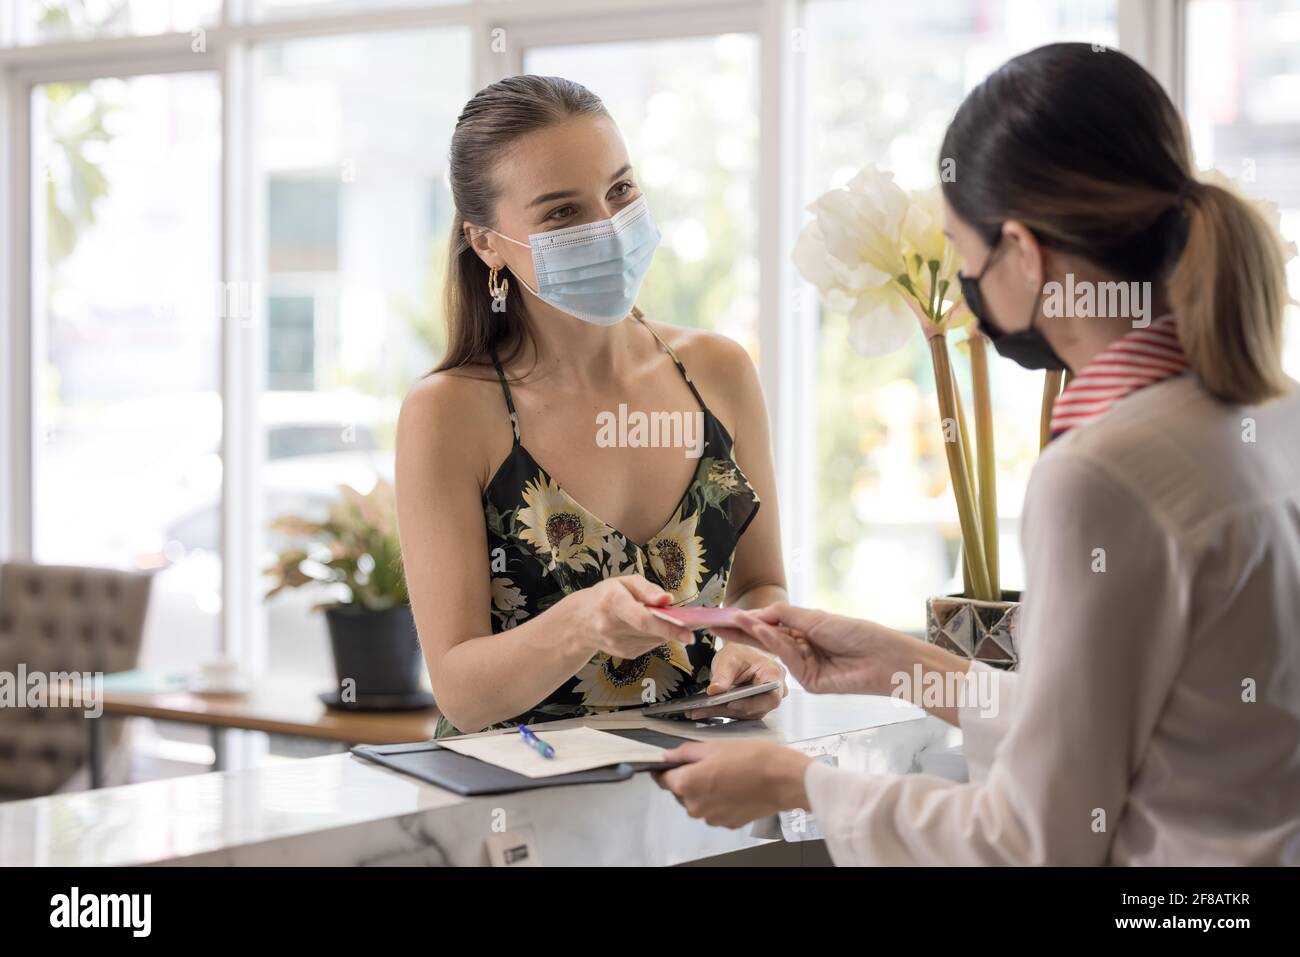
[429, 761]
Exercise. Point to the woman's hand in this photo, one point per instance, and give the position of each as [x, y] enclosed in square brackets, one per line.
[611, 616]
[730, 783]
[830, 654]
[736, 665]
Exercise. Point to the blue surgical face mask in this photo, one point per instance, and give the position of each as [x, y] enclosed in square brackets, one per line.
[594, 271]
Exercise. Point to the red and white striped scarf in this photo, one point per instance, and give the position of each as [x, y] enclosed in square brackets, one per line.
[1134, 361]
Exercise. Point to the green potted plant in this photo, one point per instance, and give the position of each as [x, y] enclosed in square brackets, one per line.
[355, 554]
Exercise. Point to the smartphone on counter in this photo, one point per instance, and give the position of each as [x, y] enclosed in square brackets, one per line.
[679, 706]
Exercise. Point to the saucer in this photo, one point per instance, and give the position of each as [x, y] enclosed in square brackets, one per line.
[407, 701]
[203, 686]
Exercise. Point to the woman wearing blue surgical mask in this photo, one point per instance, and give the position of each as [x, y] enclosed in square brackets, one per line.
[1155, 714]
[559, 471]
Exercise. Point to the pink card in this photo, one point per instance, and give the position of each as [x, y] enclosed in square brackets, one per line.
[697, 617]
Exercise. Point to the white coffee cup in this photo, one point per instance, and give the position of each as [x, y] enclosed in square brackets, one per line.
[220, 673]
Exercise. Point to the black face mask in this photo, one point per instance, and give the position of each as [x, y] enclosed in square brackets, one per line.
[1028, 348]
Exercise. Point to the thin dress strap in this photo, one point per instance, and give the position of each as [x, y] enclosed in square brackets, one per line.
[637, 315]
[510, 402]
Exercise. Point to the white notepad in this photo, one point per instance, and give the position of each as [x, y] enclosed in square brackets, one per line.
[576, 749]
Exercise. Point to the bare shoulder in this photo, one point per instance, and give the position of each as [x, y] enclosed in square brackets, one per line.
[448, 398]
[710, 357]
[721, 369]
[458, 415]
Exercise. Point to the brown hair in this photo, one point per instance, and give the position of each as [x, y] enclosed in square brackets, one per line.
[1084, 147]
[494, 117]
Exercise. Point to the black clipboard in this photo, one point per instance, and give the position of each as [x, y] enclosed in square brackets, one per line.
[431, 762]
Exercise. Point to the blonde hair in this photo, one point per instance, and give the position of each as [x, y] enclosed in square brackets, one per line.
[1229, 292]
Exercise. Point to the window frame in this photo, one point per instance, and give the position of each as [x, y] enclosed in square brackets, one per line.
[1151, 30]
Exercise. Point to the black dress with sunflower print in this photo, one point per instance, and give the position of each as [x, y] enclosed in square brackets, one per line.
[542, 545]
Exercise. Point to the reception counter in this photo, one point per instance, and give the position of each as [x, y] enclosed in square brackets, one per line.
[341, 810]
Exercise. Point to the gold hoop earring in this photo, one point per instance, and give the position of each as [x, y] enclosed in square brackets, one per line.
[498, 286]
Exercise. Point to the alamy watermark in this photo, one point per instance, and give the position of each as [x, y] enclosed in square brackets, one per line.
[976, 689]
[635, 429]
[133, 912]
[1086, 299]
[53, 689]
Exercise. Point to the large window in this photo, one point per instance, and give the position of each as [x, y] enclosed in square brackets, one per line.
[44, 21]
[128, 408]
[887, 534]
[272, 9]
[352, 141]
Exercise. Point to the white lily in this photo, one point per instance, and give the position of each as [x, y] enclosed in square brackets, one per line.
[930, 258]
[853, 253]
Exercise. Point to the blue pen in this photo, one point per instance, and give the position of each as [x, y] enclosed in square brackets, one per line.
[536, 743]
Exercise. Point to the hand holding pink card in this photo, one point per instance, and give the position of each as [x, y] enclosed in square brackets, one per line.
[696, 617]
[735, 619]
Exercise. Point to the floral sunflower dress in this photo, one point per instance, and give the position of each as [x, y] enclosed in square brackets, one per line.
[542, 545]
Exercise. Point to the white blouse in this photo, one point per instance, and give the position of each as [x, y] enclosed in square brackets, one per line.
[1155, 716]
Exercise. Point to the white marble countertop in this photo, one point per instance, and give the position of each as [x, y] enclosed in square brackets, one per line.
[341, 810]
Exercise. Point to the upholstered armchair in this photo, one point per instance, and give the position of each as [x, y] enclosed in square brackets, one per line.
[53, 619]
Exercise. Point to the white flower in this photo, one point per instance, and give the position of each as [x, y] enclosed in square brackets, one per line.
[508, 602]
[865, 238]
[712, 594]
[924, 243]
[852, 253]
[880, 322]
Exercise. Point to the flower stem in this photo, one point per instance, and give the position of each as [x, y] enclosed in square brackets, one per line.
[964, 432]
[1051, 389]
[972, 541]
[988, 478]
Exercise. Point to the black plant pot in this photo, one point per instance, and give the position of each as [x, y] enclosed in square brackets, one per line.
[376, 654]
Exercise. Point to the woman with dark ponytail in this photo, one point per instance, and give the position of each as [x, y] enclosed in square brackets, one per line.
[1155, 714]
[541, 465]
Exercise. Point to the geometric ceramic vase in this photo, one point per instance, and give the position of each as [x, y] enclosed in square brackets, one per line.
[980, 630]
